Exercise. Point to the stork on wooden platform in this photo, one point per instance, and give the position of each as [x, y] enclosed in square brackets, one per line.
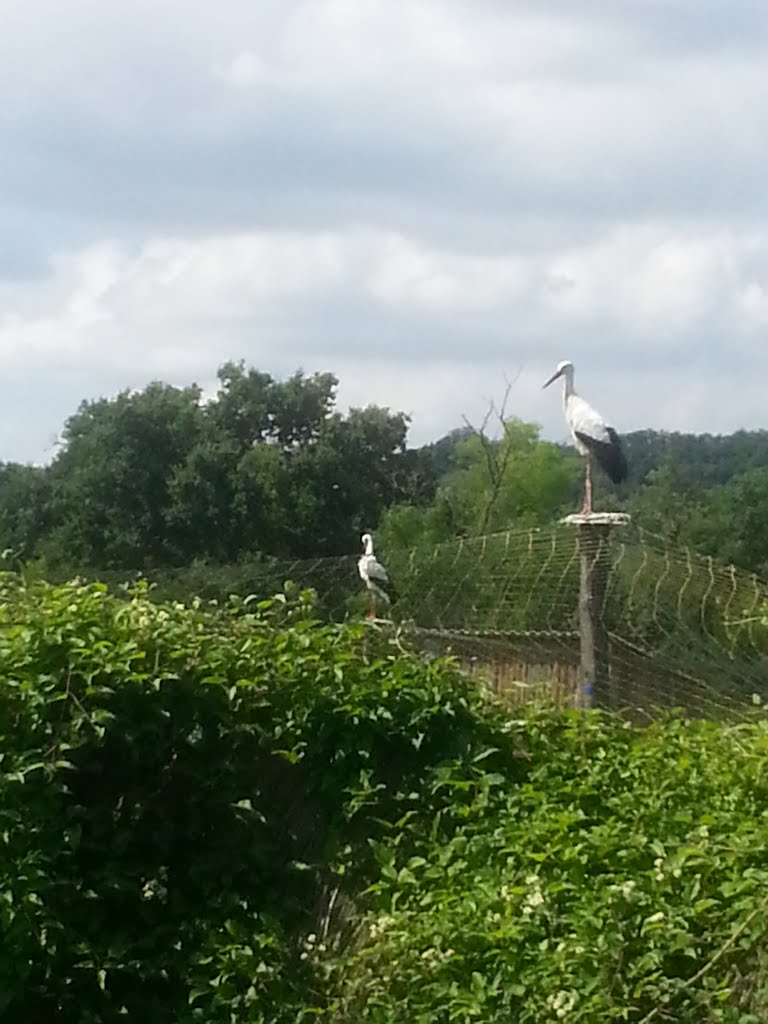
[374, 575]
[592, 436]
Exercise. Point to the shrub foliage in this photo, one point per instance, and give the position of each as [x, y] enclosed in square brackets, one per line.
[182, 786]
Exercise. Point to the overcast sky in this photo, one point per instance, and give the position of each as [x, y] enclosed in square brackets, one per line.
[422, 196]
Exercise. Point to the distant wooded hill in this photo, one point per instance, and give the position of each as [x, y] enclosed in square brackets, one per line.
[702, 460]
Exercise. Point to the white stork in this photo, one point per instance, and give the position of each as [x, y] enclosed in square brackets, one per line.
[591, 434]
[374, 575]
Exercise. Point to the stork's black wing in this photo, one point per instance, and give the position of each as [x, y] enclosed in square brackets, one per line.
[609, 454]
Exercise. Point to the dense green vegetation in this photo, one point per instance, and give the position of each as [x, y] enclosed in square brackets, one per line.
[177, 785]
[182, 787]
[710, 493]
[159, 480]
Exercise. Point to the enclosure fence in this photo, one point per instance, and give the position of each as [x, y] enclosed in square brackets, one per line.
[587, 614]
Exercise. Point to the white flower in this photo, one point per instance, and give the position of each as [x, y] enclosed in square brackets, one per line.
[380, 925]
[655, 918]
[532, 901]
[153, 890]
[562, 1002]
[534, 898]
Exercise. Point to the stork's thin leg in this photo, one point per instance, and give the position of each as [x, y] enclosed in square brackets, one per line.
[586, 508]
[588, 489]
[372, 608]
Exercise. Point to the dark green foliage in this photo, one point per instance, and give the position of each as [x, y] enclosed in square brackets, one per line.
[627, 872]
[179, 786]
[704, 460]
[159, 478]
[519, 481]
[176, 785]
[111, 481]
[728, 521]
[25, 501]
[708, 492]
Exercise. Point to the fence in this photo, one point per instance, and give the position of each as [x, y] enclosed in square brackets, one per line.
[596, 612]
[583, 613]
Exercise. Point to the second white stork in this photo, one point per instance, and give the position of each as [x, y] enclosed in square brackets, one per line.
[592, 436]
[374, 575]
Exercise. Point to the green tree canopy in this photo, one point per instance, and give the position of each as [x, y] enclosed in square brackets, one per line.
[111, 480]
[160, 477]
[517, 481]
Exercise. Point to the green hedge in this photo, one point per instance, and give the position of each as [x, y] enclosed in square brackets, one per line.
[626, 876]
[177, 786]
[180, 786]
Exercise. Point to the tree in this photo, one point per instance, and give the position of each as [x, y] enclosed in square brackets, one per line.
[728, 521]
[25, 496]
[518, 481]
[252, 407]
[111, 481]
[205, 514]
[159, 478]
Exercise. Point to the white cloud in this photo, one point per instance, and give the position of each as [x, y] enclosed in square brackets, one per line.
[244, 70]
[438, 191]
[409, 275]
[441, 326]
[753, 303]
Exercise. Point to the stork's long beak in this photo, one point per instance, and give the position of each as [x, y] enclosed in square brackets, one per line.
[554, 376]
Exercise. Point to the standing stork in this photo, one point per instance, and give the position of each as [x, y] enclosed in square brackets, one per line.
[374, 575]
[591, 435]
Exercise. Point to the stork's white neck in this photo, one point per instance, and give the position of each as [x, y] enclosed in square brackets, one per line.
[568, 388]
[369, 545]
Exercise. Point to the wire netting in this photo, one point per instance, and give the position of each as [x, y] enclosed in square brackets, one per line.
[681, 630]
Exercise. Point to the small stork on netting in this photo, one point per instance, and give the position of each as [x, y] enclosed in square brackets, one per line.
[374, 575]
[592, 436]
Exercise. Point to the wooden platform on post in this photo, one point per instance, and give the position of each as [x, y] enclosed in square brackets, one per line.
[594, 542]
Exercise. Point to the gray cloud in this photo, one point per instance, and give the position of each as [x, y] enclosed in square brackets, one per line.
[445, 193]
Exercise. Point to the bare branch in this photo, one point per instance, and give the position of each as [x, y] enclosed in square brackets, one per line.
[496, 465]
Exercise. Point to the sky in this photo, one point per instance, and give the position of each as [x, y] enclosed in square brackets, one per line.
[427, 198]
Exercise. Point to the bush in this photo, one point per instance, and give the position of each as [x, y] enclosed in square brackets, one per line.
[181, 787]
[625, 875]
[178, 786]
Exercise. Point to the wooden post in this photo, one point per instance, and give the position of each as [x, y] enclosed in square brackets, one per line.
[595, 671]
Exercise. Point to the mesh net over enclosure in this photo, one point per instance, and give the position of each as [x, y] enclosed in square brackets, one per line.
[680, 630]
[674, 628]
